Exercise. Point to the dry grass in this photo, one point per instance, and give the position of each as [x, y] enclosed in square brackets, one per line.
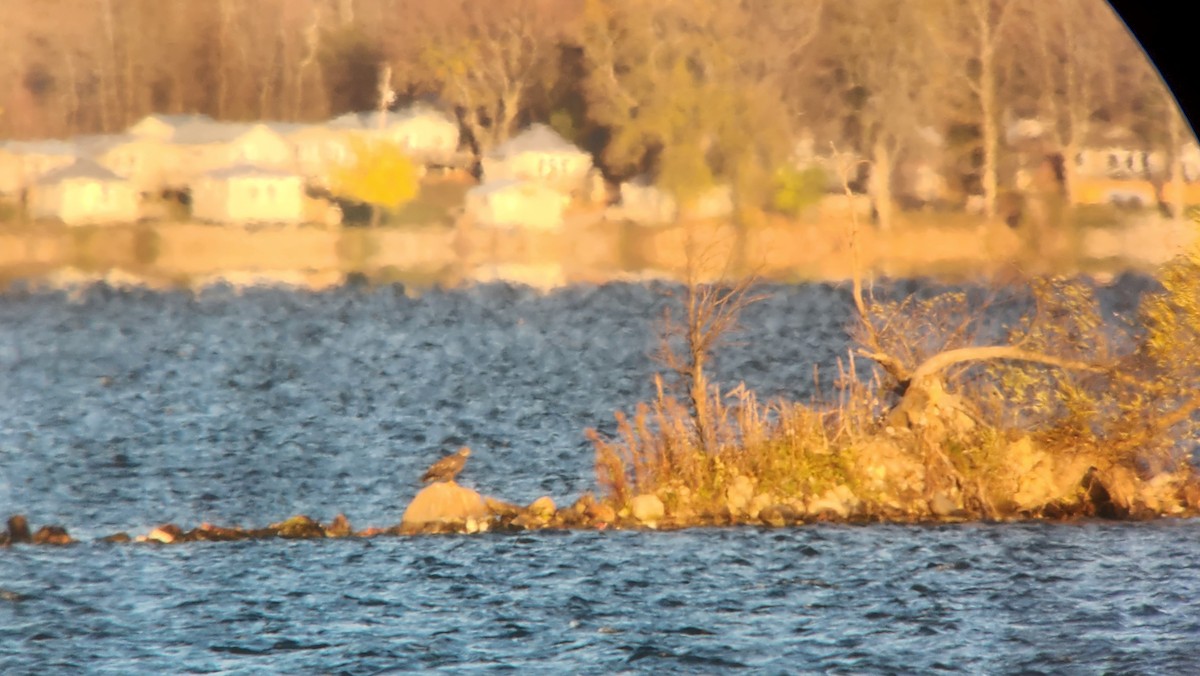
[786, 449]
[989, 432]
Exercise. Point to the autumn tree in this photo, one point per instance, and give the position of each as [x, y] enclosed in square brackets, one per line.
[669, 82]
[378, 174]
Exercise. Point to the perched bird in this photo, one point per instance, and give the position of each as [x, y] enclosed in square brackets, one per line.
[448, 467]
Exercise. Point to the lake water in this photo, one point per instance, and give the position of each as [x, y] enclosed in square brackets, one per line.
[120, 410]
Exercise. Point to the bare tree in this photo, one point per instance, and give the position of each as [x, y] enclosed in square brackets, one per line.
[485, 58]
[971, 35]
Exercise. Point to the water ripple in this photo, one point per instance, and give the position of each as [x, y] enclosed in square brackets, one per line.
[123, 410]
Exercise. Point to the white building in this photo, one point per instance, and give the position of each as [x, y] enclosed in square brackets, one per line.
[539, 154]
[249, 194]
[83, 193]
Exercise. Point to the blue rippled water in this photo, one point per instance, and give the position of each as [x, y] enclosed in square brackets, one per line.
[123, 409]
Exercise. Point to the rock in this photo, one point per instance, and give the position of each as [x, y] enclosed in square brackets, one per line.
[538, 514]
[576, 515]
[299, 527]
[443, 503]
[1189, 494]
[117, 537]
[51, 535]
[1103, 495]
[543, 507]
[758, 503]
[941, 505]
[647, 509]
[1162, 494]
[584, 504]
[206, 532]
[165, 534]
[1039, 479]
[683, 515]
[739, 494]
[772, 515]
[18, 529]
[602, 515]
[340, 527]
[501, 508]
[838, 502]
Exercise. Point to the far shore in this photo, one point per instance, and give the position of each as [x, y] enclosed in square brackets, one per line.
[588, 250]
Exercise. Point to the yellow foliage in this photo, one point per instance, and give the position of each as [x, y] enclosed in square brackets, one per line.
[378, 173]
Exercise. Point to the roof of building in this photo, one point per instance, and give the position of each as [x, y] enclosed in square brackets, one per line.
[537, 138]
[81, 168]
[96, 144]
[41, 147]
[174, 120]
[369, 119]
[199, 133]
[289, 128]
[249, 171]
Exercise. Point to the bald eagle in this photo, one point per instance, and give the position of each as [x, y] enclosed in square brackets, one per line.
[448, 467]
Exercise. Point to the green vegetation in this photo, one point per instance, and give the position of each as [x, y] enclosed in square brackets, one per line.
[434, 204]
[798, 189]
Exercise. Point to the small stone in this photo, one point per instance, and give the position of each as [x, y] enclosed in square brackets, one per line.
[585, 503]
[18, 529]
[500, 507]
[602, 515]
[165, 534]
[298, 527]
[772, 516]
[941, 505]
[51, 535]
[543, 507]
[758, 504]
[647, 509]
[835, 503]
[739, 494]
[207, 532]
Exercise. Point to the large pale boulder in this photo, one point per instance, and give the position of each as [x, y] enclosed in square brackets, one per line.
[838, 502]
[647, 509]
[444, 502]
[1035, 479]
[738, 494]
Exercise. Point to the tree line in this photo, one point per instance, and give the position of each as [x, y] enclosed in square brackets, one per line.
[694, 91]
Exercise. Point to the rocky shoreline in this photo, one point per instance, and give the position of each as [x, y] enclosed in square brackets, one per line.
[448, 508]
